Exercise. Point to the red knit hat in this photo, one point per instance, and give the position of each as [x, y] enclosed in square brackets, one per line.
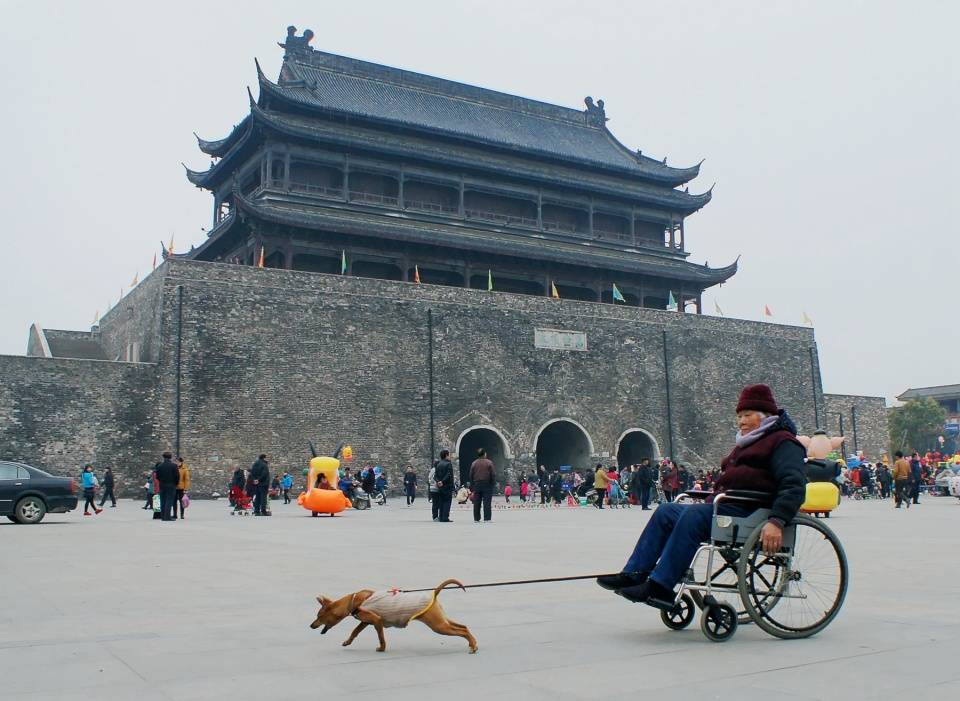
[757, 398]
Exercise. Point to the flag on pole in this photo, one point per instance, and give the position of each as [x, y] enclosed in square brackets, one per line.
[154, 261]
[807, 320]
[766, 312]
[489, 280]
[553, 291]
[136, 280]
[170, 247]
[672, 303]
[96, 317]
[617, 296]
[416, 274]
[716, 306]
[260, 260]
[343, 262]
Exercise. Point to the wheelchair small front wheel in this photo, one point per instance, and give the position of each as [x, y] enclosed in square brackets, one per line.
[680, 616]
[719, 622]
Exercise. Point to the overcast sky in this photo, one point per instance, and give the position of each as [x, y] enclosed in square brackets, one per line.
[829, 128]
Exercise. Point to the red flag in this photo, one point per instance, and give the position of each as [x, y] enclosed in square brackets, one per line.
[260, 261]
[767, 312]
[416, 274]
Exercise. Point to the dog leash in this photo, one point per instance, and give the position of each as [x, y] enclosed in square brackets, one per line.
[514, 582]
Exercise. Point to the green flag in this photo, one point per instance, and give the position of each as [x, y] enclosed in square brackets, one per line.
[672, 303]
[617, 296]
[343, 262]
[489, 281]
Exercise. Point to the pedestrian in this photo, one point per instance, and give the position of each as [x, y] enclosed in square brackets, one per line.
[644, 482]
[286, 484]
[168, 476]
[260, 475]
[901, 480]
[543, 481]
[885, 479]
[916, 478]
[89, 483]
[148, 490]
[600, 481]
[410, 485]
[482, 478]
[368, 480]
[183, 484]
[108, 489]
[524, 490]
[670, 482]
[432, 490]
[380, 484]
[444, 478]
[507, 491]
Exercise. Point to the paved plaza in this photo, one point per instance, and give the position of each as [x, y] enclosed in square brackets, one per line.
[217, 607]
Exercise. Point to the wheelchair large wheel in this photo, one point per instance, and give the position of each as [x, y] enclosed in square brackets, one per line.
[794, 595]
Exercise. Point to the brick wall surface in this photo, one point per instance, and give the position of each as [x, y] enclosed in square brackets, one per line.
[59, 414]
[868, 414]
[272, 359]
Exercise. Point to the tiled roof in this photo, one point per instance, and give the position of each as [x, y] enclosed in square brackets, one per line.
[322, 81]
[938, 392]
[84, 349]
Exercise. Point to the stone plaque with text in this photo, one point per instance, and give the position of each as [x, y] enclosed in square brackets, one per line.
[559, 339]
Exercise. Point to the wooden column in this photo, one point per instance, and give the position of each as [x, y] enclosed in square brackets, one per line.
[400, 188]
[467, 274]
[591, 216]
[642, 293]
[346, 180]
[460, 205]
[540, 208]
[286, 171]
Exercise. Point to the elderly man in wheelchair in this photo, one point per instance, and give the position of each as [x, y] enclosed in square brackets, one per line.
[743, 555]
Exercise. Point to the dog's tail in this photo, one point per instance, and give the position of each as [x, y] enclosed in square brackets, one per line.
[445, 583]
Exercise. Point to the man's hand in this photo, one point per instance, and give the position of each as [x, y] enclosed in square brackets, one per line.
[771, 538]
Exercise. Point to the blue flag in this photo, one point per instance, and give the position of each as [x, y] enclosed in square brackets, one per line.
[617, 297]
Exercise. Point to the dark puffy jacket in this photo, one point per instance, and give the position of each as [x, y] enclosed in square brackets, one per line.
[444, 473]
[774, 464]
[108, 479]
[168, 472]
[260, 471]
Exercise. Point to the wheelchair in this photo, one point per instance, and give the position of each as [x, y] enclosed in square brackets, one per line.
[794, 593]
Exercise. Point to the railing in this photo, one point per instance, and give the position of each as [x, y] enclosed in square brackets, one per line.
[317, 189]
[613, 235]
[372, 198]
[563, 228]
[429, 207]
[486, 215]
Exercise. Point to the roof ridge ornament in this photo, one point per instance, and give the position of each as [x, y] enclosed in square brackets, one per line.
[595, 114]
[297, 44]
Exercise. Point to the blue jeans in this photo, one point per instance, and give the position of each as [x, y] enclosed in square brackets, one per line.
[671, 538]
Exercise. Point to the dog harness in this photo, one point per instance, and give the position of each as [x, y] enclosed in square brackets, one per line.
[398, 608]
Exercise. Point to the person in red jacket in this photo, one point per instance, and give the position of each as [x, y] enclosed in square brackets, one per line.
[767, 457]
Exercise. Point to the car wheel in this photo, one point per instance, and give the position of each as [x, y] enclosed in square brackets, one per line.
[30, 510]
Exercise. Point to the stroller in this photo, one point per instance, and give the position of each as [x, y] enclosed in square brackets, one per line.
[240, 501]
[617, 498]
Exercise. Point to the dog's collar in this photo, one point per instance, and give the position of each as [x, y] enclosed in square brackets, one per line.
[352, 609]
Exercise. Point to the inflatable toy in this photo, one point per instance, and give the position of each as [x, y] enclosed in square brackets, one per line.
[323, 501]
[823, 495]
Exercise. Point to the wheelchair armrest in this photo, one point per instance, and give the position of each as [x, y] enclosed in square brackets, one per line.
[697, 493]
[750, 495]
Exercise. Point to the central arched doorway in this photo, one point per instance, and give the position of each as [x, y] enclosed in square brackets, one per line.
[563, 442]
[488, 438]
[634, 445]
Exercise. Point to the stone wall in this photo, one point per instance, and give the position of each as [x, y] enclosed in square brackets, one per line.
[272, 359]
[58, 414]
[867, 414]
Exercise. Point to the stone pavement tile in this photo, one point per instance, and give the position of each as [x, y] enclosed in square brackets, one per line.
[115, 692]
[45, 668]
[256, 686]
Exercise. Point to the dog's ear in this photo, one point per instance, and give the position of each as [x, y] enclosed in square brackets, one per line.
[324, 601]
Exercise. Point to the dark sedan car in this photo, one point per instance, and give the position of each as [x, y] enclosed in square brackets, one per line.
[28, 494]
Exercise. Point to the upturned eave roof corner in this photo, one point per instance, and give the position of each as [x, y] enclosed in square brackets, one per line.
[196, 177]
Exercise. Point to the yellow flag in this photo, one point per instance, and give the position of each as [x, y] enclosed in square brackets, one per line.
[807, 320]
[96, 317]
[553, 291]
[170, 247]
[136, 280]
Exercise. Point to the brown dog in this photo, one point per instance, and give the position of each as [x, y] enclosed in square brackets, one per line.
[390, 609]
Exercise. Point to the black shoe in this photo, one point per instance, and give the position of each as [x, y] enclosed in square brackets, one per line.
[650, 593]
[613, 582]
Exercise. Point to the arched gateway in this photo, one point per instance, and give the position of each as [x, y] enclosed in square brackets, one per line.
[488, 438]
[634, 445]
[562, 442]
